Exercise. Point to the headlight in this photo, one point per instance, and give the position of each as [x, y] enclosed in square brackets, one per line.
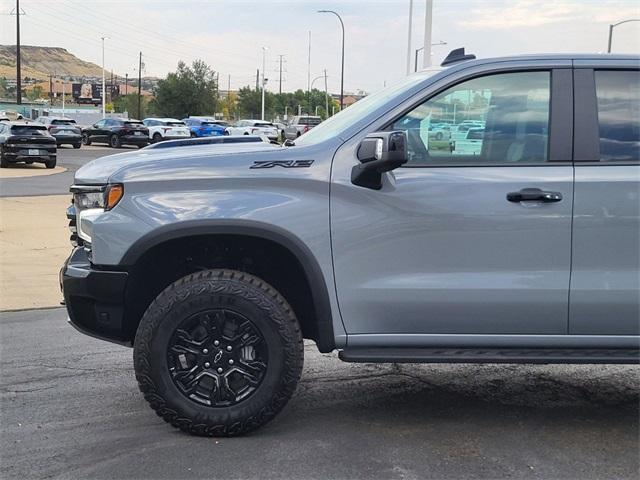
[99, 196]
[91, 201]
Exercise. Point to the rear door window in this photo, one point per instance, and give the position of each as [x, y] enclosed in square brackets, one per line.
[618, 97]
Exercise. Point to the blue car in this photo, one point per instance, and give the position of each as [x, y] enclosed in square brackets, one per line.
[204, 126]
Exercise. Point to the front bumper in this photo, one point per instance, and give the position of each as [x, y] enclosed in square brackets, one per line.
[94, 298]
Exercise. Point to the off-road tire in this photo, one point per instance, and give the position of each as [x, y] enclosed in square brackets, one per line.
[212, 289]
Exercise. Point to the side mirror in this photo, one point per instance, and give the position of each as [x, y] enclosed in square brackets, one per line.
[379, 152]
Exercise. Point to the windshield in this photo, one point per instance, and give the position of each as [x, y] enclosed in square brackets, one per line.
[175, 124]
[339, 122]
[63, 122]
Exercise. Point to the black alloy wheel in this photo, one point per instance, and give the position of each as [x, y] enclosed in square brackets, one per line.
[217, 357]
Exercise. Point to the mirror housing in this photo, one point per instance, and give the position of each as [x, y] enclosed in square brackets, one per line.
[379, 152]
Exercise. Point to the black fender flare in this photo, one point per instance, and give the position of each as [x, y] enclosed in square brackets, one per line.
[249, 228]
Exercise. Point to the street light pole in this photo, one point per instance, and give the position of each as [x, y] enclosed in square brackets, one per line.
[428, 22]
[264, 80]
[104, 92]
[615, 25]
[342, 68]
[409, 37]
[422, 48]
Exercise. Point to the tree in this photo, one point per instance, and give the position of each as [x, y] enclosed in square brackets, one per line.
[129, 103]
[35, 93]
[187, 91]
[3, 87]
[249, 103]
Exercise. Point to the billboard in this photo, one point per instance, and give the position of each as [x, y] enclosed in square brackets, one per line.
[87, 93]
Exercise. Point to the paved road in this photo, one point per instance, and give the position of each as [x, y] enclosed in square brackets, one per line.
[69, 158]
[71, 409]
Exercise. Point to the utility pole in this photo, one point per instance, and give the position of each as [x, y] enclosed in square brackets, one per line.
[50, 90]
[264, 80]
[280, 87]
[126, 83]
[63, 92]
[257, 78]
[229, 95]
[140, 86]
[409, 37]
[326, 95]
[309, 76]
[18, 59]
[104, 90]
[428, 21]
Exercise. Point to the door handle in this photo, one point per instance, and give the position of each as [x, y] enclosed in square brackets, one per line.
[534, 195]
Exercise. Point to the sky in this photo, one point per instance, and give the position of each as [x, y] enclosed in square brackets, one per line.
[229, 34]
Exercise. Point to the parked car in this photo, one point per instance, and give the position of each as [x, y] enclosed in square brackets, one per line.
[254, 127]
[471, 144]
[117, 132]
[215, 263]
[64, 130]
[166, 129]
[26, 142]
[440, 131]
[204, 126]
[300, 125]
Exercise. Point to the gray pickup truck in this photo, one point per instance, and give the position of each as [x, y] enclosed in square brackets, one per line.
[371, 237]
[300, 125]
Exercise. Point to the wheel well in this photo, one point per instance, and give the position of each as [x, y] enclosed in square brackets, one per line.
[173, 259]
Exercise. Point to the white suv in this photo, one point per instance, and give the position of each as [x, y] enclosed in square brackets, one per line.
[254, 127]
[166, 129]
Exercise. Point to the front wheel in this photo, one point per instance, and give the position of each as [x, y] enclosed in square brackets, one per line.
[218, 353]
[156, 137]
[86, 139]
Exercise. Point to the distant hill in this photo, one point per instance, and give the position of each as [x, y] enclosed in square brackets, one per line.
[39, 62]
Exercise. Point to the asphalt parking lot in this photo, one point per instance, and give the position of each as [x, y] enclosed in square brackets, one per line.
[70, 408]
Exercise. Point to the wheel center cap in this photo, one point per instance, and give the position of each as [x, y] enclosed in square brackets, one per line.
[217, 356]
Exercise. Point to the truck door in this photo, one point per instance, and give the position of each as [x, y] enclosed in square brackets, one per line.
[473, 242]
[605, 279]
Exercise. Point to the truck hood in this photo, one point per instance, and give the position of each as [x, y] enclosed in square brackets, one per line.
[167, 162]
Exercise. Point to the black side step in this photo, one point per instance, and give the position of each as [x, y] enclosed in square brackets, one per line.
[490, 355]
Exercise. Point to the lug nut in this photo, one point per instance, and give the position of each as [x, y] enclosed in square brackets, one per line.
[230, 361]
[205, 351]
[219, 370]
[216, 343]
[207, 364]
[229, 348]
